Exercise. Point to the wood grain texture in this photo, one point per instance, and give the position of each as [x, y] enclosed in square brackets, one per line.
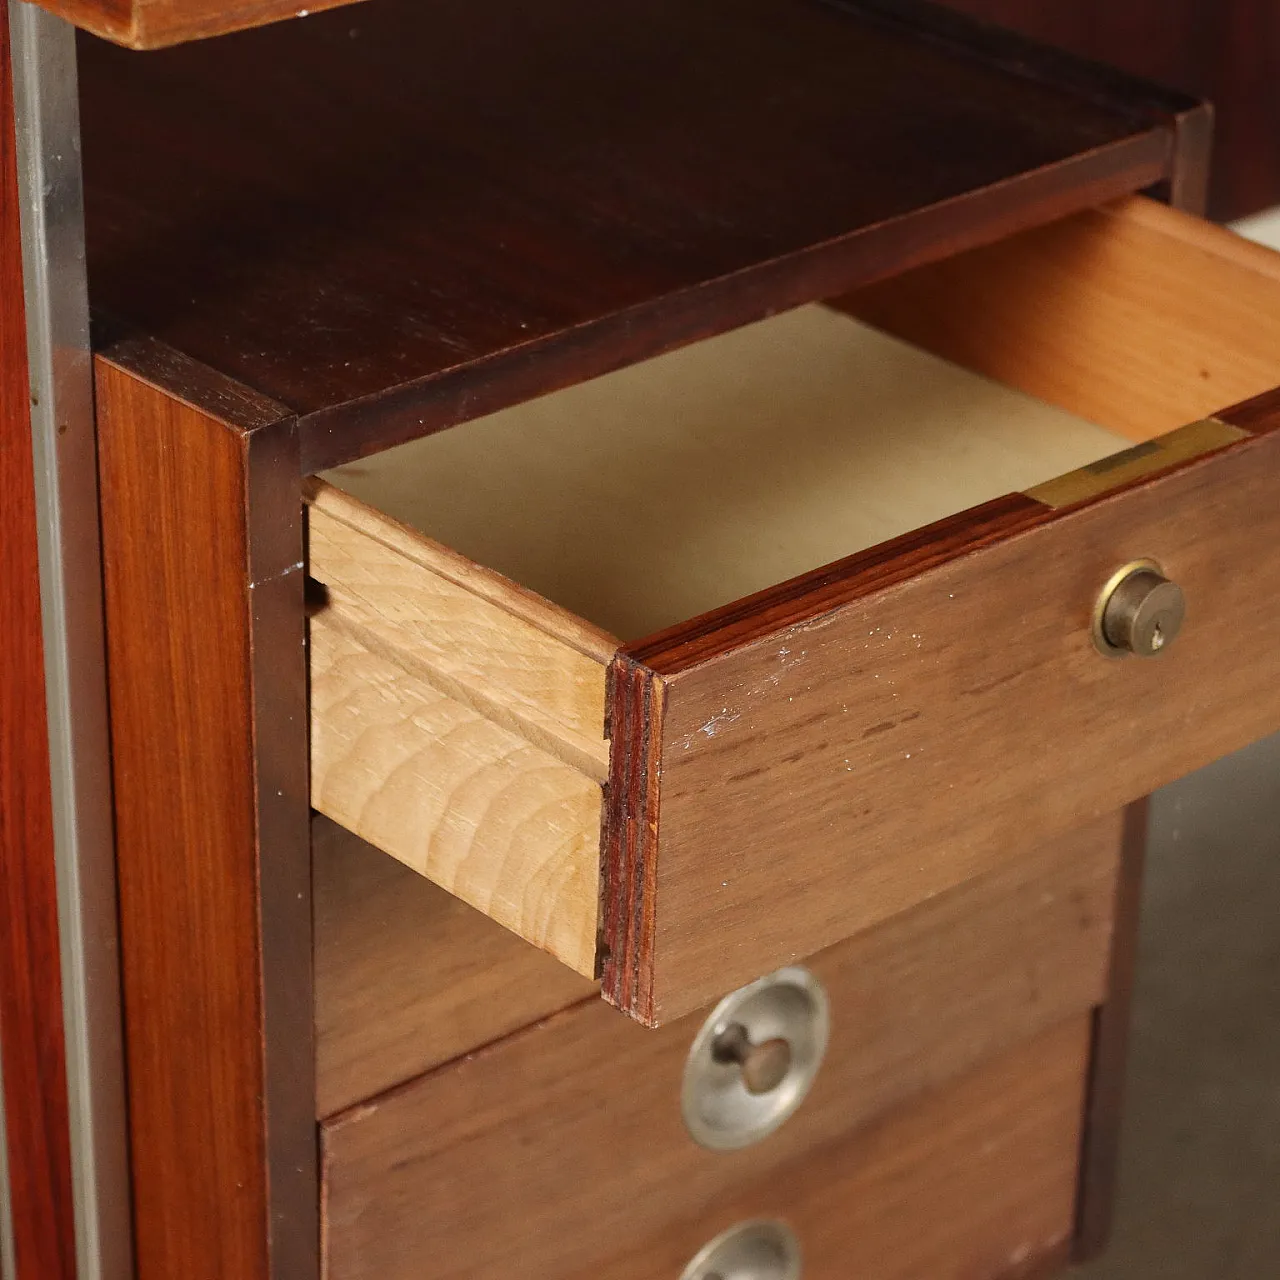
[1109, 1052]
[1100, 79]
[517, 659]
[868, 745]
[31, 1026]
[237, 210]
[560, 1186]
[154, 24]
[481, 811]
[1227, 51]
[407, 976]
[1136, 317]
[202, 549]
[1259, 415]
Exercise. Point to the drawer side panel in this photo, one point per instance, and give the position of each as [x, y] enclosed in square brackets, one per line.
[504, 825]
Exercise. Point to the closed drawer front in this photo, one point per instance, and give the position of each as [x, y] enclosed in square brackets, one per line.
[799, 755]
[953, 1078]
[408, 978]
[569, 1177]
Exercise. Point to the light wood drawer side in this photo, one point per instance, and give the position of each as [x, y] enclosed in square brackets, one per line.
[457, 723]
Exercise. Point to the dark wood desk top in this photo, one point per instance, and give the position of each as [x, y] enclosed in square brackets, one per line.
[394, 218]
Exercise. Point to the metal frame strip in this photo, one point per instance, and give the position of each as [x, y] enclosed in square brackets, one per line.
[62, 421]
[8, 1264]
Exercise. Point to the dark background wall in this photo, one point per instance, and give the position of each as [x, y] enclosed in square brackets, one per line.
[1225, 50]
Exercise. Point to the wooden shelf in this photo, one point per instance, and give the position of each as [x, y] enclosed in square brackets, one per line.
[154, 24]
[395, 217]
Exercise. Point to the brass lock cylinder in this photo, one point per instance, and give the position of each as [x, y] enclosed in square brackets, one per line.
[1139, 612]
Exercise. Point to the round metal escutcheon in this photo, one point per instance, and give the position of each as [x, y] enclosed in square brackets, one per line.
[755, 1059]
[749, 1251]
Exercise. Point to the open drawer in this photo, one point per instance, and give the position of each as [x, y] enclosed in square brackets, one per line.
[775, 755]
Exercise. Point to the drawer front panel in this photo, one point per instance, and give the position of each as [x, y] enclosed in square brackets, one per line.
[408, 978]
[570, 1177]
[824, 758]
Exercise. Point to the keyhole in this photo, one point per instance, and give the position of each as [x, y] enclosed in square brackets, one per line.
[764, 1066]
[1157, 638]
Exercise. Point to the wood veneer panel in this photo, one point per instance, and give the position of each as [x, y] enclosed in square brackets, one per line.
[972, 692]
[1227, 51]
[202, 553]
[562, 1186]
[31, 1027]
[408, 976]
[397, 218]
[1260, 415]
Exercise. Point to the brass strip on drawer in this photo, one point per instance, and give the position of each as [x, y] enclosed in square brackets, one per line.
[1143, 459]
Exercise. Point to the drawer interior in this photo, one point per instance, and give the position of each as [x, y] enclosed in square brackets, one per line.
[1133, 315]
[672, 487]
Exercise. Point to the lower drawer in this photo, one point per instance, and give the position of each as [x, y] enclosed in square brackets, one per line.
[577, 1166]
[408, 978]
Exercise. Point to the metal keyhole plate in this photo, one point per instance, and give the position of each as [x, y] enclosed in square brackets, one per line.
[754, 1059]
[749, 1251]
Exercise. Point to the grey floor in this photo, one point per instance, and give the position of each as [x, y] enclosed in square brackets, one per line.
[1199, 1191]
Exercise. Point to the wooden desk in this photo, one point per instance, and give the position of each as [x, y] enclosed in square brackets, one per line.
[292, 278]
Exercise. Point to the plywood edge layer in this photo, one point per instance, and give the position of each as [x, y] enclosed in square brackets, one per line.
[483, 812]
[466, 642]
